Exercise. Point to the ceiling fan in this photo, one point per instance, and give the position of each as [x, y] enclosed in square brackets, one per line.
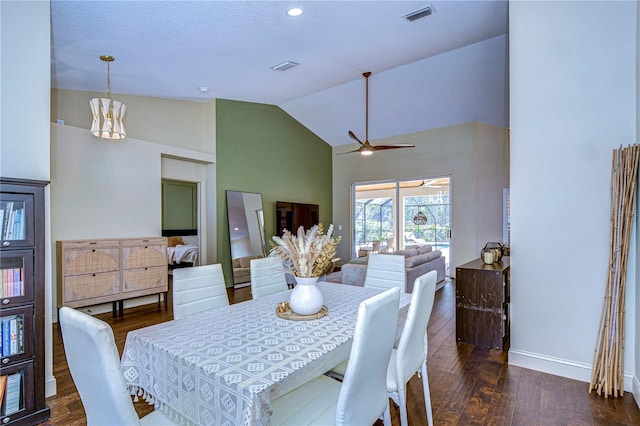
[366, 148]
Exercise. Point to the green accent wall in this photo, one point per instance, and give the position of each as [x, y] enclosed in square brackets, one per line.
[261, 148]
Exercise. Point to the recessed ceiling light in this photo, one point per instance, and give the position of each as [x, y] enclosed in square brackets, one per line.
[294, 11]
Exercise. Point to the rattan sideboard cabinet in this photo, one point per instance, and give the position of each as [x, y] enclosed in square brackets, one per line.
[91, 272]
[482, 303]
[22, 292]
[144, 266]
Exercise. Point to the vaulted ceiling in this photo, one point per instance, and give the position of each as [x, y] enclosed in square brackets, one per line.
[443, 69]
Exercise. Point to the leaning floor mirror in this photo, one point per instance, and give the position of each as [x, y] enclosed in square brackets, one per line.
[246, 233]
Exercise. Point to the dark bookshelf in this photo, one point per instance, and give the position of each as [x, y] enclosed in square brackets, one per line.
[22, 281]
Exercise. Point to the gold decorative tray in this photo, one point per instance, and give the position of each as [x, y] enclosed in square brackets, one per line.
[283, 310]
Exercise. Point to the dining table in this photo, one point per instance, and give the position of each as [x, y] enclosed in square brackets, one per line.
[224, 366]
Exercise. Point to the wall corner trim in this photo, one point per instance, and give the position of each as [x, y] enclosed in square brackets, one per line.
[188, 155]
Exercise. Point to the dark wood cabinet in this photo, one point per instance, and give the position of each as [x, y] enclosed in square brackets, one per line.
[22, 265]
[482, 303]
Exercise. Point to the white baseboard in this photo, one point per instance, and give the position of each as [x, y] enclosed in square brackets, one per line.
[636, 390]
[561, 367]
[50, 387]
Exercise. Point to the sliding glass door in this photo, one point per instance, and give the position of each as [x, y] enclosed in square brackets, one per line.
[374, 219]
[423, 206]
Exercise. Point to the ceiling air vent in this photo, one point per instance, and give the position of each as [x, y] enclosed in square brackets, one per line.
[283, 66]
[420, 13]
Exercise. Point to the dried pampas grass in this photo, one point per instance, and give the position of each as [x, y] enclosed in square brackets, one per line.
[307, 254]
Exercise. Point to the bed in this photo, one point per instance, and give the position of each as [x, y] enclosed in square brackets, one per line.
[182, 248]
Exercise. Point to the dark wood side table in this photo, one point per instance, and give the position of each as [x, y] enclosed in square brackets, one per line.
[482, 303]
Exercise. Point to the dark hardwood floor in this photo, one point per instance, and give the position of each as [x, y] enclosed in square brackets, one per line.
[469, 385]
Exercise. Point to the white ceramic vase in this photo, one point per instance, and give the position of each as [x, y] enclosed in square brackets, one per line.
[306, 297]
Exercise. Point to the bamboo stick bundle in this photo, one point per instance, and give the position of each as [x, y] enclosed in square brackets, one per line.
[607, 375]
[600, 355]
[634, 160]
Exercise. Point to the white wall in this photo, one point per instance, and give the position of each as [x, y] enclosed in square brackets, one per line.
[491, 176]
[25, 84]
[24, 137]
[573, 88]
[106, 189]
[241, 247]
[473, 154]
[103, 189]
[636, 379]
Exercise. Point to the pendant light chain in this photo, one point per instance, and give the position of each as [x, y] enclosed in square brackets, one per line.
[108, 59]
[109, 79]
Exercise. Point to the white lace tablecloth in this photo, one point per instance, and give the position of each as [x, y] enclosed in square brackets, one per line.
[223, 367]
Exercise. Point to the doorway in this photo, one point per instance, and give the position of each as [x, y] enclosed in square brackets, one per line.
[392, 215]
[180, 223]
[193, 175]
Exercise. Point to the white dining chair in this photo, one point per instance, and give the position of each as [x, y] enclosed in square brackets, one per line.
[198, 289]
[361, 398]
[267, 276]
[94, 364]
[386, 271]
[411, 353]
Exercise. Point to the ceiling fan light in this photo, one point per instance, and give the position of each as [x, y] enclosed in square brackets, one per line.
[366, 150]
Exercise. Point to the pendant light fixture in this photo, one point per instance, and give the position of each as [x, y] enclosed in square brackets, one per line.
[420, 218]
[108, 114]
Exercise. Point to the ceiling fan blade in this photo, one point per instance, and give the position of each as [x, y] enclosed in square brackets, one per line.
[400, 145]
[354, 137]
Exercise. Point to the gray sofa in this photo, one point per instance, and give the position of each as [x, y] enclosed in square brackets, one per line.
[242, 269]
[418, 261]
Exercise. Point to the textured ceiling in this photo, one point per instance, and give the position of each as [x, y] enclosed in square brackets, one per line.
[168, 49]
